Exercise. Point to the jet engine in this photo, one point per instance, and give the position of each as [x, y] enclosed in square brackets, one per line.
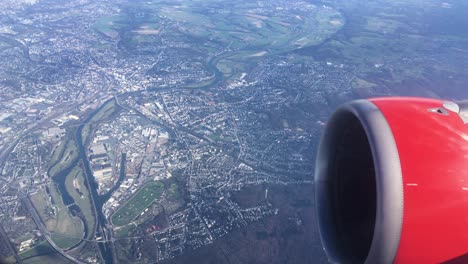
[391, 182]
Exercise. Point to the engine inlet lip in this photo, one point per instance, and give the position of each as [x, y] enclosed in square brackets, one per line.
[389, 182]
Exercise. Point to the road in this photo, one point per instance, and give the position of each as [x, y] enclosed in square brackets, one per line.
[44, 231]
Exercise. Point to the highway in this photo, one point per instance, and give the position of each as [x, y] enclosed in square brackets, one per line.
[43, 229]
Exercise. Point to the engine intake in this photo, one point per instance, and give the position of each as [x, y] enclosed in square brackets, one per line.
[358, 174]
[391, 182]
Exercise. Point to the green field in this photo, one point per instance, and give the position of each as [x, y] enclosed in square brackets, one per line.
[106, 25]
[63, 156]
[105, 112]
[83, 202]
[55, 258]
[64, 242]
[24, 237]
[54, 213]
[42, 205]
[242, 27]
[201, 84]
[216, 135]
[124, 231]
[138, 203]
[62, 222]
[40, 248]
[57, 152]
[173, 191]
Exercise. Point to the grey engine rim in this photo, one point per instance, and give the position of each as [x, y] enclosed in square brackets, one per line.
[388, 182]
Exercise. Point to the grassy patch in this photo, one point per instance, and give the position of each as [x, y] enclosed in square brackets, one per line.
[106, 26]
[173, 191]
[24, 237]
[57, 152]
[42, 204]
[124, 231]
[40, 248]
[225, 67]
[138, 203]
[64, 156]
[107, 110]
[63, 222]
[216, 135]
[202, 84]
[81, 196]
[56, 215]
[239, 26]
[55, 258]
[185, 15]
[64, 242]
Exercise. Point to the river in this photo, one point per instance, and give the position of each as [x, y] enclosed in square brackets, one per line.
[97, 200]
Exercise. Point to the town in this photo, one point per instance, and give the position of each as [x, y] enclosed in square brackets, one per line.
[138, 132]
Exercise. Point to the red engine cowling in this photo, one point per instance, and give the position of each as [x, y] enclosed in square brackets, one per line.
[391, 182]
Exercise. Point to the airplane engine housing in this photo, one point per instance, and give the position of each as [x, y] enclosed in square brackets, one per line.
[391, 182]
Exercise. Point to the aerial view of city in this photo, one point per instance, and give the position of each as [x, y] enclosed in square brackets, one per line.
[185, 131]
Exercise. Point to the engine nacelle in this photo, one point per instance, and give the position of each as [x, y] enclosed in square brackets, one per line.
[391, 182]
